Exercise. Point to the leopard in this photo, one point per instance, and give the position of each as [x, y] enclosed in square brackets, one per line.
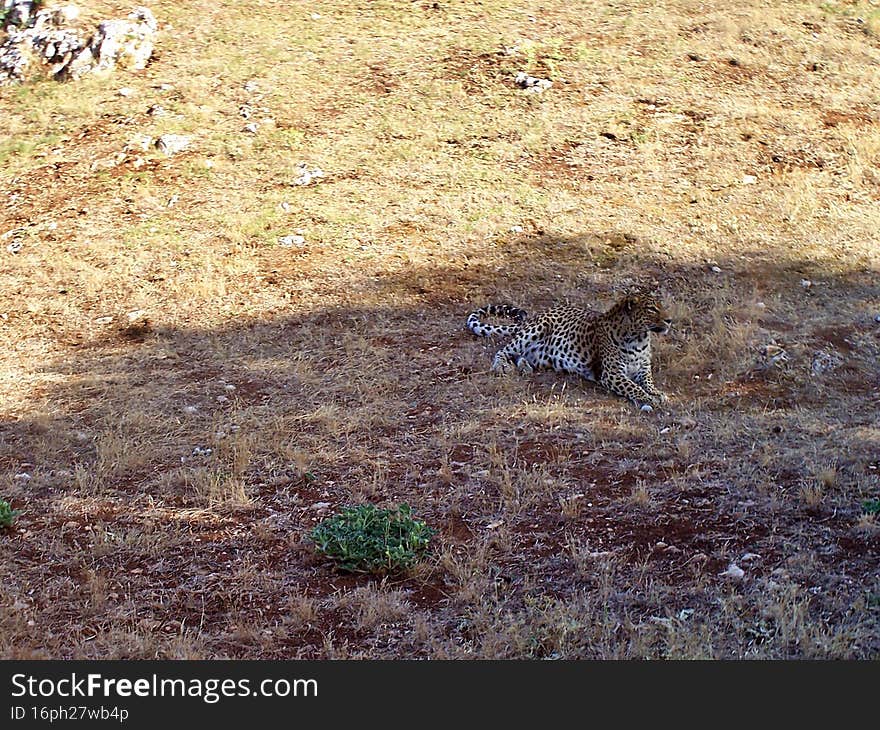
[611, 348]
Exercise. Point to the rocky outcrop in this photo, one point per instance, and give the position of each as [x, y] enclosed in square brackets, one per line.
[45, 40]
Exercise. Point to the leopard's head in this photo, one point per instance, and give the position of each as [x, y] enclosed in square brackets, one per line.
[645, 311]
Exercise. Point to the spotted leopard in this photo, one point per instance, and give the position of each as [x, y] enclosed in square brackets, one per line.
[613, 349]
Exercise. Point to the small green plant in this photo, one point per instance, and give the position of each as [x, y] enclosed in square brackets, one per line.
[871, 506]
[7, 514]
[365, 538]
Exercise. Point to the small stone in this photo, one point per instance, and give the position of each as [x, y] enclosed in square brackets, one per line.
[190, 410]
[646, 408]
[125, 91]
[749, 179]
[806, 283]
[251, 128]
[22, 477]
[65, 14]
[251, 86]
[494, 524]
[166, 87]
[516, 229]
[320, 505]
[171, 144]
[104, 320]
[155, 110]
[135, 315]
[229, 388]
[14, 247]
[202, 451]
[733, 573]
[716, 269]
[532, 84]
[695, 57]
[877, 318]
[284, 205]
[222, 399]
[748, 557]
[290, 241]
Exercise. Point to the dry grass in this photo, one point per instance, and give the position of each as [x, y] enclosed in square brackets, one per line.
[182, 391]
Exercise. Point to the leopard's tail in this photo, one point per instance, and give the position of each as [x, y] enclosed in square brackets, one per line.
[479, 328]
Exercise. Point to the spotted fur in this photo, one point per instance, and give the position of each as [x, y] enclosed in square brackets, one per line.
[613, 349]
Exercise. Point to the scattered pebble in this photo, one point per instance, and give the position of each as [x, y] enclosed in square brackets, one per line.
[748, 557]
[202, 451]
[749, 179]
[532, 84]
[877, 318]
[245, 111]
[306, 176]
[135, 315]
[22, 477]
[284, 205]
[190, 410]
[494, 524]
[104, 320]
[665, 430]
[516, 229]
[14, 247]
[125, 91]
[251, 86]
[290, 241]
[172, 201]
[251, 127]
[733, 572]
[222, 399]
[229, 388]
[716, 269]
[646, 408]
[806, 283]
[695, 57]
[685, 614]
[320, 505]
[155, 110]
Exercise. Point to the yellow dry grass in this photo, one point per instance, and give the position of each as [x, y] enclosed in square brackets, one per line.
[181, 391]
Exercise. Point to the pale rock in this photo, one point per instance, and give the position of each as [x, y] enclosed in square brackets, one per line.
[532, 84]
[171, 144]
[733, 573]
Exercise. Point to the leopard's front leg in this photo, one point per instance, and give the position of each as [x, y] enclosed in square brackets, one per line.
[617, 382]
[646, 380]
[507, 356]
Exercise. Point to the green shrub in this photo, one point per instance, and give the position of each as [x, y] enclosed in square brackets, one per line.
[7, 514]
[871, 506]
[365, 538]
